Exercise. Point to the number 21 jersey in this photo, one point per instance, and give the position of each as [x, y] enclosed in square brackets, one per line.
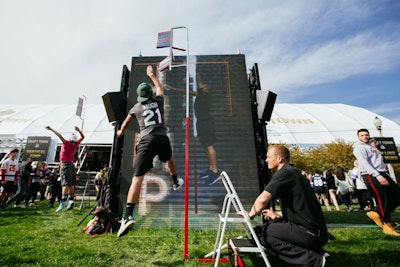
[150, 116]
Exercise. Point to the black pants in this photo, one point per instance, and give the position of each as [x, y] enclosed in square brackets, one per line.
[387, 197]
[33, 191]
[364, 198]
[56, 190]
[293, 243]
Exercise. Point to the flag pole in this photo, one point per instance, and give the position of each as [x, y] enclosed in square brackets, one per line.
[186, 252]
[165, 40]
[186, 219]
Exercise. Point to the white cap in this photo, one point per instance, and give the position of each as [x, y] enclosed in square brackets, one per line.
[73, 138]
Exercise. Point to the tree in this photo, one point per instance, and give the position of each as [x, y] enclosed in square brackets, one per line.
[332, 155]
[338, 153]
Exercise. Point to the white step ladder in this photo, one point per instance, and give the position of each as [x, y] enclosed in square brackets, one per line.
[245, 245]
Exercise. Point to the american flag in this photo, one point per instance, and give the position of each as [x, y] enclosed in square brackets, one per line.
[164, 39]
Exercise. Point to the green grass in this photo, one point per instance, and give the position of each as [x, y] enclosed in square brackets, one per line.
[40, 237]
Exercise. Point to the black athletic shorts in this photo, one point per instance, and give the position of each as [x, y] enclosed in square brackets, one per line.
[148, 147]
[205, 131]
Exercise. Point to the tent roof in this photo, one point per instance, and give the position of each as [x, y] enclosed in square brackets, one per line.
[316, 124]
[294, 124]
[21, 121]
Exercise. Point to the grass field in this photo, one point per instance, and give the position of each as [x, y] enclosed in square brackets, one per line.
[37, 236]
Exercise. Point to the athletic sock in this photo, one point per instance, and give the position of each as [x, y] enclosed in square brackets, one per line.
[174, 178]
[129, 209]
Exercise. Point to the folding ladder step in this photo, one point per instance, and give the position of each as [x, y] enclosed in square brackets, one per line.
[232, 218]
[244, 245]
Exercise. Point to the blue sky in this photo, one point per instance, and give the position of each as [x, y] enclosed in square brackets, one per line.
[307, 51]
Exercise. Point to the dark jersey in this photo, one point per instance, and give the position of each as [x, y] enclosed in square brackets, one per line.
[318, 183]
[202, 105]
[297, 199]
[150, 116]
[26, 173]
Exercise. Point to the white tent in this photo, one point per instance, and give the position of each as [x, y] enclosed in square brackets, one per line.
[308, 125]
[17, 122]
[293, 124]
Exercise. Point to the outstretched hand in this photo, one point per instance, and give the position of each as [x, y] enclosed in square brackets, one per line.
[149, 71]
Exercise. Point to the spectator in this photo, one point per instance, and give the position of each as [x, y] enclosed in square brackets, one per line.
[67, 168]
[304, 173]
[330, 183]
[318, 183]
[345, 187]
[297, 233]
[56, 187]
[34, 187]
[101, 178]
[380, 185]
[363, 196]
[26, 171]
[44, 181]
[9, 177]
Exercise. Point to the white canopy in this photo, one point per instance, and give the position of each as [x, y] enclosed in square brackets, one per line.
[21, 121]
[315, 124]
[293, 124]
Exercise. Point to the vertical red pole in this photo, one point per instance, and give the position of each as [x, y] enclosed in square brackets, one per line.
[186, 226]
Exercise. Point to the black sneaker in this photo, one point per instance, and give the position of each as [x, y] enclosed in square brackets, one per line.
[126, 225]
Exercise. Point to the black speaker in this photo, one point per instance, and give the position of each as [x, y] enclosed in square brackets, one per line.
[115, 104]
[265, 104]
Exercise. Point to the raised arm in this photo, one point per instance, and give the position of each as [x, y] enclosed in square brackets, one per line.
[56, 133]
[156, 82]
[181, 90]
[80, 132]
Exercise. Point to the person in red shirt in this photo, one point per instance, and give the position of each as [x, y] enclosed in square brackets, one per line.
[67, 168]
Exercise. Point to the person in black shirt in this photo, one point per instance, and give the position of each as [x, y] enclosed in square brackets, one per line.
[298, 232]
[205, 127]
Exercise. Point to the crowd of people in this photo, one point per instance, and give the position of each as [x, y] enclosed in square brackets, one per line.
[341, 186]
[23, 184]
[31, 182]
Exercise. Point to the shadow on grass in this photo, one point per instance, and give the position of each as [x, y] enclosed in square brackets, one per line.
[169, 264]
